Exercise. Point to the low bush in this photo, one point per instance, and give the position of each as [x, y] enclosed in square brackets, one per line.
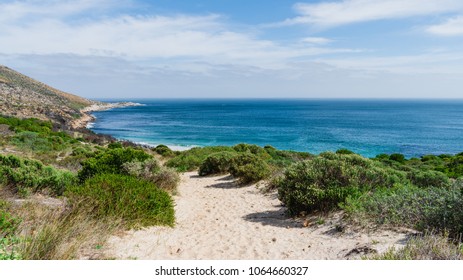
[191, 159]
[110, 161]
[163, 150]
[249, 168]
[325, 181]
[252, 149]
[150, 170]
[428, 178]
[26, 176]
[217, 163]
[138, 203]
[344, 152]
[434, 209]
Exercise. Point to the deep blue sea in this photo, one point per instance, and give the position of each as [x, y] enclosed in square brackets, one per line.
[367, 127]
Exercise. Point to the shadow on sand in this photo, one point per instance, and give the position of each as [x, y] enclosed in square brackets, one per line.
[276, 218]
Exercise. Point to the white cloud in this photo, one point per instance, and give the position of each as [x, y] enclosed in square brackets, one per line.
[316, 40]
[43, 28]
[452, 27]
[352, 11]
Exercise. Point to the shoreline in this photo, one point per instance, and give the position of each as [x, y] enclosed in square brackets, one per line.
[88, 118]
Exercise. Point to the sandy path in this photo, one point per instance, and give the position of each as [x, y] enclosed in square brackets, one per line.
[217, 220]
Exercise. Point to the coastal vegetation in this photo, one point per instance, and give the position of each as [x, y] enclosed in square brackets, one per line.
[51, 212]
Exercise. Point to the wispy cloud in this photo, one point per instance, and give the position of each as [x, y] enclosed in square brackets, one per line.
[44, 28]
[329, 14]
[451, 27]
[317, 40]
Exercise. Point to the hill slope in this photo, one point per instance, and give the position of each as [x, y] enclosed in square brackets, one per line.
[25, 97]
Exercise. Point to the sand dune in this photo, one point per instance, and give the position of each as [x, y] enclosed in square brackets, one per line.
[218, 220]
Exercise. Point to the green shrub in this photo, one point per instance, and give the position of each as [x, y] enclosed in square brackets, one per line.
[217, 163]
[150, 170]
[433, 209]
[191, 159]
[8, 223]
[428, 178]
[249, 168]
[455, 166]
[110, 161]
[115, 145]
[397, 157]
[327, 180]
[138, 202]
[344, 152]
[163, 150]
[253, 149]
[26, 176]
[8, 228]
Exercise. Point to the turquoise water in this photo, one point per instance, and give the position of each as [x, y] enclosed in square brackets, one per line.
[368, 127]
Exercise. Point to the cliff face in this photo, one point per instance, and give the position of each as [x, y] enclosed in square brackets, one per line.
[23, 97]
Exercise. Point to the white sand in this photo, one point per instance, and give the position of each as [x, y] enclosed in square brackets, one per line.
[218, 220]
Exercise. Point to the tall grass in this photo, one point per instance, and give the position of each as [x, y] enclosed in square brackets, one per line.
[62, 234]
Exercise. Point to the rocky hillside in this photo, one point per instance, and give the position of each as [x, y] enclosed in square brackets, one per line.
[24, 97]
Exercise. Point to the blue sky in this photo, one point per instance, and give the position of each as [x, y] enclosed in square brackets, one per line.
[238, 48]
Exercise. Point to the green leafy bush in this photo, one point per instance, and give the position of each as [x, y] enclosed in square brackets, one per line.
[253, 149]
[325, 181]
[191, 159]
[217, 163]
[115, 145]
[249, 168]
[138, 202]
[428, 178]
[110, 161]
[25, 176]
[397, 157]
[344, 152]
[163, 150]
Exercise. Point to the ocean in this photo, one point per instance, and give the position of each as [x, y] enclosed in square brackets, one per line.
[367, 127]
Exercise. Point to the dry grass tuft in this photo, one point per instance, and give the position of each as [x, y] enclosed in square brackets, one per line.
[425, 247]
[61, 234]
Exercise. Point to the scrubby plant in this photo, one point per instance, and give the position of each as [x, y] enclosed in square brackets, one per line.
[325, 181]
[249, 168]
[27, 176]
[435, 209]
[397, 157]
[8, 229]
[115, 145]
[191, 159]
[138, 203]
[253, 149]
[344, 152]
[150, 170]
[163, 150]
[110, 161]
[217, 163]
[428, 178]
